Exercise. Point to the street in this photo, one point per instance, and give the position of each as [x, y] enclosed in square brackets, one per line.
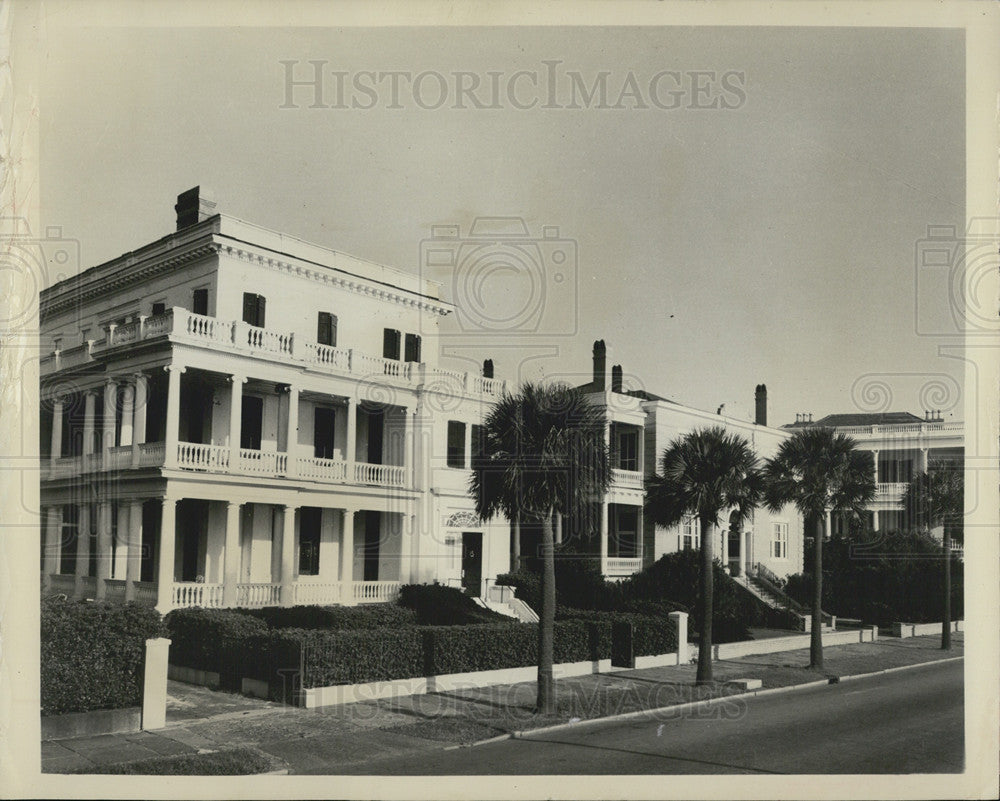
[905, 722]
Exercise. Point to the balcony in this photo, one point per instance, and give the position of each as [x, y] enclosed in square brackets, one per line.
[628, 479]
[234, 336]
[257, 595]
[891, 492]
[616, 566]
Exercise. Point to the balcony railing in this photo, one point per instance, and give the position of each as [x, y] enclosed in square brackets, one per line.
[194, 456]
[263, 463]
[622, 566]
[901, 428]
[626, 478]
[367, 592]
[890, 491]
[120, 457]
[192, 593]
[322, 469]
[255, 595]
[379, 475]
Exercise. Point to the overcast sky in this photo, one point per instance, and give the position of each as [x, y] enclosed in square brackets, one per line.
[771, 238]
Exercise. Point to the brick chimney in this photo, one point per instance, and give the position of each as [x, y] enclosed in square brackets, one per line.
[760, 405]
[192, 207]
[600, 365]
[488, 368]
[616, 378]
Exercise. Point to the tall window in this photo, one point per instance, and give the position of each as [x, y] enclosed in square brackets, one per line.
[309, 536]
[326, 329]
[390, 343]
[253, 309]
[780, 541]
[690, 536]
[412, 352]
[628, 449]
[456, 444]
[199, 301]
[476, 440]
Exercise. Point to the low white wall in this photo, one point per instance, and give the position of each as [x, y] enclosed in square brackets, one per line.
[904, 630]
[772, 645]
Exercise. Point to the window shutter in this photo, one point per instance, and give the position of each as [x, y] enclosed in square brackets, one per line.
[199, 301]
[260, 310]
[249, 308]
[412, 348]
[333, 330]
[390, 343]
[324, 329]
[160, 308]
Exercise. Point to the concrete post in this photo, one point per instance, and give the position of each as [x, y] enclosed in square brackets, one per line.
[680, 623]
[516, 557]
[103, 549]
[724, 549]
[559, 532]
[53, 533]
[165, 565]
[154, 684]
[231, 556]
[139, 416]
[409, 478]
[82, 550]
[288, 557]
[405, 545]
[172, 433]
[133, 561]
[89, 399]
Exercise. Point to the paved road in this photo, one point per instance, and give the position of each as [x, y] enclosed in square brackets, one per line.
[905, 722]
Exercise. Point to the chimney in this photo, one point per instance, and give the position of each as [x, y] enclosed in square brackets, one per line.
[600, 365]
[616, 378]
[760, 405]
[488, 368]
[192, 207]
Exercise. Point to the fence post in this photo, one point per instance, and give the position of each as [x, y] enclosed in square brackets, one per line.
[154, 684]
[680, 621]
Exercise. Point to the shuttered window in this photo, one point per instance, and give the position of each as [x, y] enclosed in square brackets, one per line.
[390, 343]
[412, 353]
[199, 301]
[456, 444]
[326, 329]
[253, 309]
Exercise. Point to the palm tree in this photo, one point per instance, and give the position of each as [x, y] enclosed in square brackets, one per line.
[542, 453]
[704, 473]
[936, 498]
[819, 471]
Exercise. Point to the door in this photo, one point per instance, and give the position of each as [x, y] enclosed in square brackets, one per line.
[376, 435]
[373, 521]
[472, 562]
[324, 421]
[252, 422]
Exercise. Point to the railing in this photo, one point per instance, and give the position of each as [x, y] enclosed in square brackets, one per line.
[120, 457]
[151, 453]
[488, 386]
[902, 428]
[114, 589]
[375, 591]
[62, 583]
[194, 456]
[92, 462]
[191, 593]
[203, 327]
[322, 469]
[254, 595]
[326, 355]
[260, 339]
[317, 593]
[380, 475]
[159, 325]
[762, 572]
[145, 592]
[895, 489]
[263, 463]
[124, 334]
[623, 566]
[626, 478]
[66, 466]
[373, 365]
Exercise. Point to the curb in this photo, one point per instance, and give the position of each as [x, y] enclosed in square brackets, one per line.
[708, 702]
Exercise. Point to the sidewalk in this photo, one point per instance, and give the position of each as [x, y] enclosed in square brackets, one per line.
[200, 720]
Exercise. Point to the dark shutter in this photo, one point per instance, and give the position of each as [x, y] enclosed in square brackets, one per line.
[160, 308]
[253, 309]
[488, 368]
[323, 328]
[333, 330]
[390, 343]
[260, 311]
[456, 444]
[199, 301]
[412, 348]
[476, 435]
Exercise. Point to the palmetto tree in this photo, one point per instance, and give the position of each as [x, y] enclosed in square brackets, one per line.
[936, 498]
[819, 471]
[703, 474]
[543, 452]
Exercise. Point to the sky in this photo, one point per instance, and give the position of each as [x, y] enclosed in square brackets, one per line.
[767, 229]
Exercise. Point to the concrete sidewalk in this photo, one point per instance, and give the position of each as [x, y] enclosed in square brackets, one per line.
[202, 720]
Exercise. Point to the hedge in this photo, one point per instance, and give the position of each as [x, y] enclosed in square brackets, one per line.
[651, 636]
[217, 640]
[354, 657]
[92, 654]
[438, 605]
[370, 616]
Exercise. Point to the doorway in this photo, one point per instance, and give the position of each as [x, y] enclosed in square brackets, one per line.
[251, 422]
[472, 562]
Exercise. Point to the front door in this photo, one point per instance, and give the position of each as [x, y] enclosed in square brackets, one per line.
[252, 422]
[472, 562]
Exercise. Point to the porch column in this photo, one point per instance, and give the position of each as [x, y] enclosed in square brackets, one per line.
[55, 449]
[108, 428]
[231, 557]
[516, 547]
[165, 565]
[139, 416]
[171, 434]
[292, 439]
[82, 550]
[558, 531]
[89, 399]
[829, 525]
[103, 549]
[875, 520]
[405, 540]
[347, 557]
[128, 411]
[235, 417]
[875, 460]
[604, 537]
[741, 555]
[53, 533]
[288, 556]
[352, 435]
[409, 478]
[745, 540]
[922, 460]
[724, 550]
[133, 561]
[121, 542]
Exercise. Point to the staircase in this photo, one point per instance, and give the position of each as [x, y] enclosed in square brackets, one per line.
[500, 599]
[765, 585]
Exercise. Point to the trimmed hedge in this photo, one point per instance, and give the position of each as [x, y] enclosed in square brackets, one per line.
[438, 605]
[337, 618]
[218, 640]
[352, 657]
[651, 636]
[92, 654]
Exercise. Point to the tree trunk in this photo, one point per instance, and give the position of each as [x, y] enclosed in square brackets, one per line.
[546, 703]
[816, 638]
[704, 675]
[946, 623]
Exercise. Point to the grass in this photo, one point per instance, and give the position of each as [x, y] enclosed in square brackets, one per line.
[234, 762]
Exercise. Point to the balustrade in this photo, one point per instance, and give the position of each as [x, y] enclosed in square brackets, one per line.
[192, 593]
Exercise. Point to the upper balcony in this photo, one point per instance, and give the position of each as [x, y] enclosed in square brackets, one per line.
[907, 435]
[237, 337]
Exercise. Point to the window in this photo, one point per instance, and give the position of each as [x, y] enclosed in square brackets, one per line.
[84, 336]
[456, 444]
[690, 536]
[199, 301]
[310, 518]
[780, 541]
[412, 353]
[324, 422]
[253, 309]
[628, 449]
[476, 440]
[390, 343]
[160, 307]
[326, 329]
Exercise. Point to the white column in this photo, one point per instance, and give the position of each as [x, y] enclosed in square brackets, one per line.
[516, 555]
[875, 461]
[875, 511]
[604, 537]
[82, 549]
[165, 563]
[558, 532]
[139, 416]
[103, 548]
[121, 542]
[405, 544]
[171, 434]
[724, 549]
[108, 429]
[133, 560]
[922, 460]
[89, 400]
[640, 536]
[53, 534]
[352, 435]
[347, 556]
[875, 520]
[231, 556]
[409, 478]
[829, 525]
[288, 556]
[128, 411]
[292, 438]
[55, 451]
[235, 415]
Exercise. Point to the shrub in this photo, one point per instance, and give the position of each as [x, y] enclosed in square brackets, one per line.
[651, 635]
[92, 654]
[336, 618]
[353, 657]
[527, 586]
[198, 636]
[437, 605]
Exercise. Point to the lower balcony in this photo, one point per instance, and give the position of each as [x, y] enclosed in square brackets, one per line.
[619, 566]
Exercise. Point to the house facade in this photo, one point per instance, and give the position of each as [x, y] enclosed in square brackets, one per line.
[234, 417]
